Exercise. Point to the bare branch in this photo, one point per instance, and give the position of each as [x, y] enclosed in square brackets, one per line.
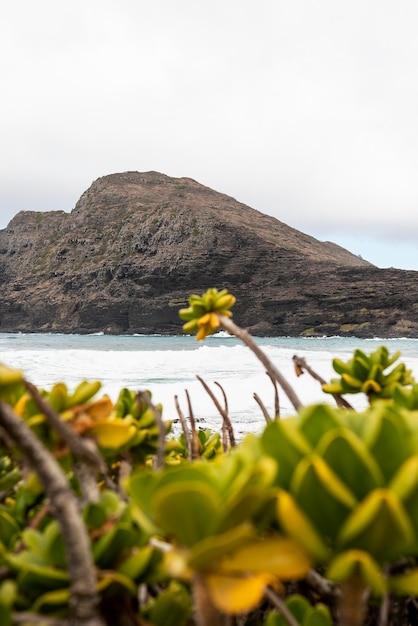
[195, 438]
[32, 618]
[84, 598]
[301, 366]
[222, 412]
[322, 585]
[262, 407]
[276, 397]
[228, 325]
[226, 423]
[278, 603]
[184, 429]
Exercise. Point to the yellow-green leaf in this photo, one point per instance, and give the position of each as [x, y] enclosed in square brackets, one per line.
[297, 525]
[379, 525]
[357, 564]
[322, 495]
[186, 510]
[349, 458]
[280, 556]
[405, 584]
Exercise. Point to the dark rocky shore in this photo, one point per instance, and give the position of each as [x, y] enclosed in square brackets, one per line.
[137, 244]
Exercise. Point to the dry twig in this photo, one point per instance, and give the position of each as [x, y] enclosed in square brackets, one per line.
[184, 429]
[228, 325]
[221, 410]
[301, 366]
[262, 407]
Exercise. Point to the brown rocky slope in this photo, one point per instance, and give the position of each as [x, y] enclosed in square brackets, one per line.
[137, 244]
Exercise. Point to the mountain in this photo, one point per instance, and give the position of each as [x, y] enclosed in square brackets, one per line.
[137, 244]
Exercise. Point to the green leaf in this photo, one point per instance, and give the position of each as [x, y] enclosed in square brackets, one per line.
[379, 525]
[322, 495]
[172, 607]
[282, 441]
[318, 616]
[10, 479]
[107, 550]
[349, 458]
[388, 438]
[51, 601]
[136, 563]
[34, 578]
[405, 485]
[247, 505]
[8, 527]
[316, 420]
[94, 515]
[208, 551]
[186, 510]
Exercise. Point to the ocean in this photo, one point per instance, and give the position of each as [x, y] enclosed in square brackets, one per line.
[167, 367]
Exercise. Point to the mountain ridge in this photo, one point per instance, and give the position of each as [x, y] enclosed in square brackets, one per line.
[137, 244]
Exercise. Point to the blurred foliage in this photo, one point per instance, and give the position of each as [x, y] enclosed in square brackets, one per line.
[236, 531]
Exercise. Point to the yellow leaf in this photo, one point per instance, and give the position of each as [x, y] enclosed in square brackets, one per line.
[100, 408]
[19, 407]
[112, 433]
[237, 595]
[205, 319]
[279, 556]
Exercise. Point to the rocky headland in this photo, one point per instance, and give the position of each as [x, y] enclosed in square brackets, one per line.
[137, 244]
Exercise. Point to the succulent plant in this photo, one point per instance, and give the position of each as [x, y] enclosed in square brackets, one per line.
[370, 374]
[348, 490]
[202, 316]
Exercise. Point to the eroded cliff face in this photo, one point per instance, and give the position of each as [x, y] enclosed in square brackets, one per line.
[137, 244]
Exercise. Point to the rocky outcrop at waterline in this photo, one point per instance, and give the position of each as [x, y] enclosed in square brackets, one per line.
[137, 244]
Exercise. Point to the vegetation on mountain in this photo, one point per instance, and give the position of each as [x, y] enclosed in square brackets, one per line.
[107, 518]
[137, 244]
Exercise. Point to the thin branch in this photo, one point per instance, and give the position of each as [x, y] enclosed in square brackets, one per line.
[184, 429]
[301, 366]
[276, 397]
[262, 407]
[278, 603]
[195, 438]
[224, 427]
[226, 408]
[322, 585]
[226, 423]
[224, 437]
[384, 610]
[143, 396]
[33, 618]
[224, 415]
[84, 598]
[228, 325]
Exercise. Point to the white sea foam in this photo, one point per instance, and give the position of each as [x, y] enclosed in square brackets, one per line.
[167, 366]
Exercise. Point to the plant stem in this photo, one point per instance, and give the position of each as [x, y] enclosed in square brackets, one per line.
[230, 326]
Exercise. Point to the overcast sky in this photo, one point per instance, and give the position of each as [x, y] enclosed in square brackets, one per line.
[305, 110]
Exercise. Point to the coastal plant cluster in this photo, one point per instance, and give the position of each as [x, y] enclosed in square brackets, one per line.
[108, 518]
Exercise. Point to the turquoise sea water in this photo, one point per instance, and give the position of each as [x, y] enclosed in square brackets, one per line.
[167, 366]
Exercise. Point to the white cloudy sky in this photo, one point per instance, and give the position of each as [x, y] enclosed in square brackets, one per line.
[306, 110]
